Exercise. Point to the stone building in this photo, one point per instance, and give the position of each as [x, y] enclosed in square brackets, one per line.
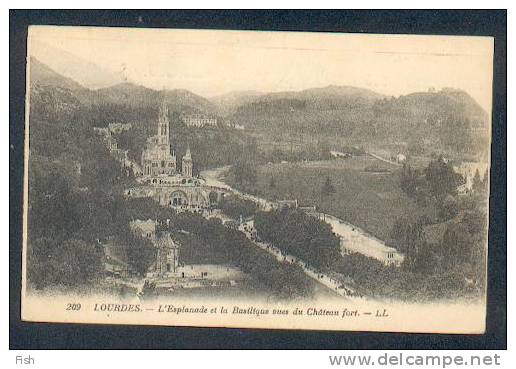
[157, 158]
[167, 249]
[198, 120]
[162, 181]
[187, 164]
[167, 254]
[143, 228]
[116, 128]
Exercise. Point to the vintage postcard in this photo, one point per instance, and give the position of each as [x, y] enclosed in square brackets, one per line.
[279, 180]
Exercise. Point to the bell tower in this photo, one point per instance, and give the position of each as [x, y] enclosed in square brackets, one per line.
[187, 163]
[163, 124]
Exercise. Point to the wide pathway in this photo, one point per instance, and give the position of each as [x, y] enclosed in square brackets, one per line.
[212, 178]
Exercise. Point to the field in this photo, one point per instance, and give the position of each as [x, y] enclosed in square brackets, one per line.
[367, 191]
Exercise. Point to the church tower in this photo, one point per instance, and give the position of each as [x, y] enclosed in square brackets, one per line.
[163, 124]
[156, 158]
[187, 165]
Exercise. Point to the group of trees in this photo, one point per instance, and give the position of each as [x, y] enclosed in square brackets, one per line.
[464, 242]
[64, 262]
[409, 238]
[75, 196]
[140, 253]
[244, 172]
[327, 188]
[454, 254]
[235, 207]
[300, 235]
[437, 184]
[441, 178]
[59, 246]
[437, 180]
[231, 247]
[74, 217]
[450, 266]
[480, 185]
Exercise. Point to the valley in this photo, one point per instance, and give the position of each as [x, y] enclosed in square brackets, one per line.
[278, 149]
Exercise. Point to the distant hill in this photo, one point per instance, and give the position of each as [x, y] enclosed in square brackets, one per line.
[184, 100]
[51, 93]
[122, 94]
[451, 101]
[336, 94]
[43, 75]
[430, 110]
[323, 98]
[130, 94]
[228, 103]
[125, 93]
[448, 119]
[86, 73]
[329, 108]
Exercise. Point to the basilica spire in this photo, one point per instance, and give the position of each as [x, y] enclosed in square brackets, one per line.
[188, 154]
[156, 158]
[163, 123]
[187, 163]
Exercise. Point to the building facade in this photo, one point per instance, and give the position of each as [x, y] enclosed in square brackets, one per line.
[198, 121]
[167, 254]
[187, 164]
[162, 181]
[167, 249]
[157, 158]
[143, 228]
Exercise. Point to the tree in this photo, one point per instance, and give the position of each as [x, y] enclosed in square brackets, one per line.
[409, 180]
[409, 238]
[448, 208]
[441, 178]
[272, 183]
[69, 263]
[477, 182]
[140, 252]
[327, 187]
[465, 241]
[485, 180]
[245, 172]
[236, 207]
[416, 147]
[414, 243]
[56, 208]
[299, 234]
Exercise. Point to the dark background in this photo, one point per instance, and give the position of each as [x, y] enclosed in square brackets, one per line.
[24, 335]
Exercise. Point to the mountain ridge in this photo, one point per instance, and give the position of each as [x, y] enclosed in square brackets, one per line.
[84, 72]
[41, 74]
[355, 114]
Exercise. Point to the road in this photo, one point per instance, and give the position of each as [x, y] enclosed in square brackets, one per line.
[212, 178]
[384, 160]
[331, 283]
[357, 239]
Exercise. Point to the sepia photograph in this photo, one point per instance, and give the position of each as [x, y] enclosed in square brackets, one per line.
[257, 179]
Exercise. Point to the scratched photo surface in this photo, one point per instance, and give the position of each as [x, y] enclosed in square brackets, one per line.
[257, 179]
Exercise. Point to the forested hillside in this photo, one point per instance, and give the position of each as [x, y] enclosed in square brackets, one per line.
[445, 120]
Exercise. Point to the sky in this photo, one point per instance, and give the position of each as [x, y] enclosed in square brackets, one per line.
[212, 63]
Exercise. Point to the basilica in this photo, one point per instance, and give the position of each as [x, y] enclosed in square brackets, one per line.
[164, 182]
[157, 157]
